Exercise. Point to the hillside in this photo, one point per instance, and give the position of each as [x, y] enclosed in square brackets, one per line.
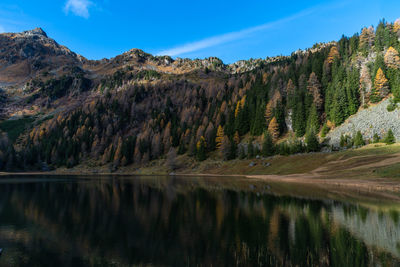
[59, 109]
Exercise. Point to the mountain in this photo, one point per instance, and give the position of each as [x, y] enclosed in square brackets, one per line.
[59, 109]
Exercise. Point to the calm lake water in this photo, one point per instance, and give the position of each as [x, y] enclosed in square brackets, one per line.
[187, 221]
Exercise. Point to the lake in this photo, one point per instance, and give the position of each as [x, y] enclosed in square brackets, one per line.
[190, 221]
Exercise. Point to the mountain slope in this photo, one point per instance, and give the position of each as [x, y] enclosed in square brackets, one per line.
[60, 109]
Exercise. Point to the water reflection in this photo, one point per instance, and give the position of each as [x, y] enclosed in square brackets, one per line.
[185, 222]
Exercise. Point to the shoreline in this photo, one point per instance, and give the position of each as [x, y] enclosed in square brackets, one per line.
[315, 179]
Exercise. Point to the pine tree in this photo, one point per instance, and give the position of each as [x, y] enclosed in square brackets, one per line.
[313, 120]
[267, 145]
[258, 122]
[376, 138]
[250, 150]
[298, 118]
[201, 149]
[392, 59]
[380, 36]
[352, 91]
[273, 129]
[279, 114]
[358, 139]
[220, 137]
[340, 111]
[390, 139]
[311, 141]
[242, 154]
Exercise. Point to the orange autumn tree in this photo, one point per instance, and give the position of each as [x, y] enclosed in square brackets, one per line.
[333, 53]
[314, 88]
[268, 112]
[273, 129]
[381, 86]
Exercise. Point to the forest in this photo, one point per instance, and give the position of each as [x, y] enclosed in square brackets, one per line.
[285, 106]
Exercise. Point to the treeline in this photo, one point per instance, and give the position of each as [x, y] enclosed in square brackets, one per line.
[304, 95]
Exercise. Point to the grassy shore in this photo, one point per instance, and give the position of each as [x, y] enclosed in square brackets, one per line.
[375, 167]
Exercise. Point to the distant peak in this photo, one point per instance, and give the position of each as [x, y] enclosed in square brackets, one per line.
[36, 31]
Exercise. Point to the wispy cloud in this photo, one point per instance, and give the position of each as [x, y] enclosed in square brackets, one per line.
[2, 29]
[232, 36]
[78, 7]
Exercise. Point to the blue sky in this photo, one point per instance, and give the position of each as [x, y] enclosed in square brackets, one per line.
[231, 30]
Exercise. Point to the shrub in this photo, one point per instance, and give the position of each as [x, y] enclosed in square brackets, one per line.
[392, 105]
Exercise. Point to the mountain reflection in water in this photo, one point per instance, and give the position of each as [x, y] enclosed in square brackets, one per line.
[185, 222]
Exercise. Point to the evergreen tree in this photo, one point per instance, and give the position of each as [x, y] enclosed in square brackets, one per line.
[242, 154]
[258, 123]
[268, 145]
[298, 118]
[313, 120]
[325, 130]
[352, 91]
[340, 111]
[250, 150]
[358, 139]
[311, 141]
[376, 138]
[390, 139]
[279, 114]
[201, 149]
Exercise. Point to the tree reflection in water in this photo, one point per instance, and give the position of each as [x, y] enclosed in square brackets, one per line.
[124, 222]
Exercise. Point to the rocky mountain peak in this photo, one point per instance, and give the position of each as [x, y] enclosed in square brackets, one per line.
[36, 31]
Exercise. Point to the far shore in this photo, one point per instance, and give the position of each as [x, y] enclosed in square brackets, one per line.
[365, 185]
[373, 168]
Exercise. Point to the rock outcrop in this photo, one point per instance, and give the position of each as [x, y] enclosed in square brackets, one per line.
[373, 120]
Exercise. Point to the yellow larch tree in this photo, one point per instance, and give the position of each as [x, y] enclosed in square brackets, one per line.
[381, 83]
[220, 136]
